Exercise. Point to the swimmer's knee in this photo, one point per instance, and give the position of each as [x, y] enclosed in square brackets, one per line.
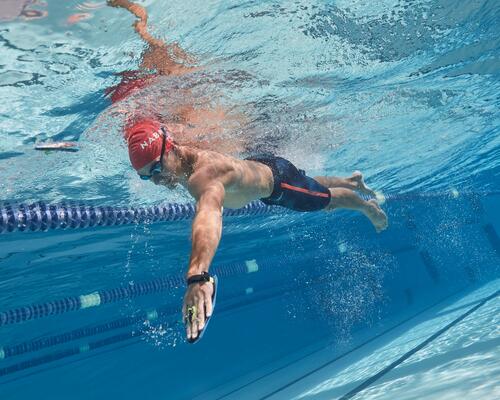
[331, 204]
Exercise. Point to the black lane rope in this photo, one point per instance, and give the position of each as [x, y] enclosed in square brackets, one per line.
[42, 217]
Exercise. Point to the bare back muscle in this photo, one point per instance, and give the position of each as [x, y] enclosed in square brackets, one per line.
[243, 180]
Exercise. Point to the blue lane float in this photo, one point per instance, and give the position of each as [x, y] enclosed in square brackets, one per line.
[41, 217]
[35, 362]
[106, 296]
[159, 316]
[150, 315]
[38, 344]
[94, 299]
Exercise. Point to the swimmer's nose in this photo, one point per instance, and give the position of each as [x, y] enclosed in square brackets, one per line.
[156, 179]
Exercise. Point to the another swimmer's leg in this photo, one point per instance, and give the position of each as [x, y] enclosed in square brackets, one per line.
[353, 182]
[346, 198]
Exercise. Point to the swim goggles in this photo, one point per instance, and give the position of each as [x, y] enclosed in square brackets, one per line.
[157, 166]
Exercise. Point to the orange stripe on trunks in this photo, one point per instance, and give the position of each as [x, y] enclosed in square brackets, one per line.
[302, 190]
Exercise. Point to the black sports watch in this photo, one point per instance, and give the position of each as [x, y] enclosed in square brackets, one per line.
[203, 277]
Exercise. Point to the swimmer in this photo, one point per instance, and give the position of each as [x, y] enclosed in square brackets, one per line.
[216, 180]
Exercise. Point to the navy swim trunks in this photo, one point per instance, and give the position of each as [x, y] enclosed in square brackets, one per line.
[292, 187]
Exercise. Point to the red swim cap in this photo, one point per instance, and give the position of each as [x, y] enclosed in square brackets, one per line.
[144, 141]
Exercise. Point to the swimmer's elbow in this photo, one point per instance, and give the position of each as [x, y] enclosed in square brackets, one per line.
[212, 199]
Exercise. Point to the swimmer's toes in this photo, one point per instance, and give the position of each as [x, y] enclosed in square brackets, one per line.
[379, 218]
[384, 225]
[375, 204]
[357, 176]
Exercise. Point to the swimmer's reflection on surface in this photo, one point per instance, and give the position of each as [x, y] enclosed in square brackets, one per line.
[12, 9]
[191, 119]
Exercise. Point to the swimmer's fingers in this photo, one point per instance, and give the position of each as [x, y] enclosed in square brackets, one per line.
[208, 291]
[208, 304]
[186, 317]
[193, 311]
[184, 311]
[200, 320]
[189, 319]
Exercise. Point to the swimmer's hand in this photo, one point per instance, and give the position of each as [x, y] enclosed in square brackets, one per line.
[197, 307]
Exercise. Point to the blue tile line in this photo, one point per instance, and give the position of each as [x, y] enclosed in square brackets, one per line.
[332, 361]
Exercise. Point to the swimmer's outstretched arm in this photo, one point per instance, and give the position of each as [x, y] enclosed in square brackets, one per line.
[207, 227]
[206, 234]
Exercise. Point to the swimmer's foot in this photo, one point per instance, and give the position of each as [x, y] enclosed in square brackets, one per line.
[376, 215]
[357, 179]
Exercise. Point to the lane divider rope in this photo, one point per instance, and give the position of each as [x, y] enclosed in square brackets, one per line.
[40, 217]
[159, 315]
[130, 290]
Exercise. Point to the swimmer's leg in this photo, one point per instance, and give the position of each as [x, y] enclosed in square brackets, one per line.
[347, 199]
[353, 182]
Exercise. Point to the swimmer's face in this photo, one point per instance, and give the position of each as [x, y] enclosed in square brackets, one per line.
[158, 174]
[166, 179]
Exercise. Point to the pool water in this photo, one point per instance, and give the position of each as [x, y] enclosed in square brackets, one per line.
[310, 306]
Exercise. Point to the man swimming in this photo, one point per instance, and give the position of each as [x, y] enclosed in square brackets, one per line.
[216, 180]
[164, 154]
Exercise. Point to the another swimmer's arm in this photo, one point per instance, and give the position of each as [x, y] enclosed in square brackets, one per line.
[207, 226]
